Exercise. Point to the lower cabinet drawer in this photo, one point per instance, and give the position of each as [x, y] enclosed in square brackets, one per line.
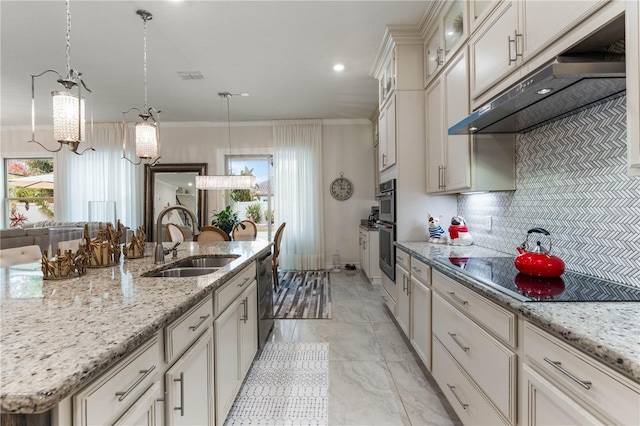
[185, 330]
[488, 362]
[499, 321]
[223, 296]
[600, 387]
[107, 398]
[469, 404]
[420, 271]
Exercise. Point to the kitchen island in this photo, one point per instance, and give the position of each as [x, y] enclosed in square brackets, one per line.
[608, 331]
[58, 336]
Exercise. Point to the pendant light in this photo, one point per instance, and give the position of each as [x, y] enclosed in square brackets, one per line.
[230, 181]
[147, 131]
[68, 107]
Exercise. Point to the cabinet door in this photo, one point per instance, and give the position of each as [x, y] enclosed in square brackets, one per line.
[148, 409]
[435, 134]
[366, 266]
[458, 147]
[433, 54]
[544, 404]
[403, 317]
[453, 28]
[189, 385]
[491, 49]
[543, 22]
[248, 328]
[227, 355]
[390, 147]
[421, 321]
[382, 141]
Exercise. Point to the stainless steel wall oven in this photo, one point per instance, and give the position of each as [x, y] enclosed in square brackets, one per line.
[387, 227]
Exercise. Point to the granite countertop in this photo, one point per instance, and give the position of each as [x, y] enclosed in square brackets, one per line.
[57, 336]
[608, 331]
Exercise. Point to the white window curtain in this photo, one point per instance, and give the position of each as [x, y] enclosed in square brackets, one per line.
[100, 175]
[297, 161]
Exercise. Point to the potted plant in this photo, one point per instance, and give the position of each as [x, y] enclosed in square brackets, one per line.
[226, 219]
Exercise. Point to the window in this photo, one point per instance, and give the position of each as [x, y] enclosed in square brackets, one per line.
[254, 204]
[28, 190]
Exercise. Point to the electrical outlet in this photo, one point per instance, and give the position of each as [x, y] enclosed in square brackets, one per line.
[484, 223]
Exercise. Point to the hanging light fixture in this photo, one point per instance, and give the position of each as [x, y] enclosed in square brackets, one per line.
[148, 130]
[68, 107]
[230, 181]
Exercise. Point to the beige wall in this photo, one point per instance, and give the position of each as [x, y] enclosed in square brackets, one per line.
[347, 148]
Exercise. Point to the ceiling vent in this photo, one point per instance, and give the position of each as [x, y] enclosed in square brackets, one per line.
[190, 75]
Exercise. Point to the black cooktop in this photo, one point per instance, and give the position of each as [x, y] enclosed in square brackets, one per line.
[501, 274]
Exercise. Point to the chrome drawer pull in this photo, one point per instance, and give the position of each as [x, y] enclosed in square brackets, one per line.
[453, 391]
[144, 373]
[181, 407]
[455, 339]
[557, 365]
[246, 309]
[202, 320]
[243, 318]
[457, 299]
[244, 282]
[416, 269]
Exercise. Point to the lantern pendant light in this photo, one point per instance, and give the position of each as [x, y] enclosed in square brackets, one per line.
[147, 131]
[68, 107]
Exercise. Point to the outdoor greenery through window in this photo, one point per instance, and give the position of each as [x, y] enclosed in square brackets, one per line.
[29, 190]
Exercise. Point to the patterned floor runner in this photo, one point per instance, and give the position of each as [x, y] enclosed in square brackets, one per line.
[303, 295]
[288, 384]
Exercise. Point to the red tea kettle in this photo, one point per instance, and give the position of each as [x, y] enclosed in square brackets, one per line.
[538, 262]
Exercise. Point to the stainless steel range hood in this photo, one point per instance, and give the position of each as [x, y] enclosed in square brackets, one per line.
[561, 88]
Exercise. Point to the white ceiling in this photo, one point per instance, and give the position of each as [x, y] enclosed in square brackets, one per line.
[281, 52]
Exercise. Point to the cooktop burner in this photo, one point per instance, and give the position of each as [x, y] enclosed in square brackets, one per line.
[501, 274]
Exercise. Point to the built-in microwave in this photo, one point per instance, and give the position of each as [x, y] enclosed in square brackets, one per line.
[387, 201]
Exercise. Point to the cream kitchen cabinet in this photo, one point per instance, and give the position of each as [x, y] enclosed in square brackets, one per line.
[387, 135]
[236, 341]
[478, 12]
[466, 325]
[420, 309]
[369, 243]
[387, 78]
[516, 32]
[116, 391]
[632, 32]
[189, 385]
[561, 385]
[403, 280]
[448, 33]
[457, 163]
[148, 409]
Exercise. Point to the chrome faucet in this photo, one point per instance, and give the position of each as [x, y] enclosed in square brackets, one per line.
[161, 251]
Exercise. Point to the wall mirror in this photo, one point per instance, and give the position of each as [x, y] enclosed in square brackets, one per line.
[173, 184]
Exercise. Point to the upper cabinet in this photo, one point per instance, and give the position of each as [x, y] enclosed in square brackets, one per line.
[447, 33]
[515, 32]
[398, 68]
[462, 163]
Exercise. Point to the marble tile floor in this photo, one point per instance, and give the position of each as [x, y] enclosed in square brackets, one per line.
[375, 378]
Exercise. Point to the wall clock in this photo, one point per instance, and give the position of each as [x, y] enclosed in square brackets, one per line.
[341, 188]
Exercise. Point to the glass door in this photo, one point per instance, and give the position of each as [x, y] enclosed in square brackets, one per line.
[254, 204]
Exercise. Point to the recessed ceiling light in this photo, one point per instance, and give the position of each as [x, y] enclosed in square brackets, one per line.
[338, 67]
[543, 91]
[473, 129]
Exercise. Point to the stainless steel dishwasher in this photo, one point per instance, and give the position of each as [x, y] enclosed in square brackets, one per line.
[265, 298]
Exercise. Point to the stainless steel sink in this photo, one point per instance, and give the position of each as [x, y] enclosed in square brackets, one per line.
[208, 261]
[180, 272]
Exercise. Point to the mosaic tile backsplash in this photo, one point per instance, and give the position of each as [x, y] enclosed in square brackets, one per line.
[572, 181]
